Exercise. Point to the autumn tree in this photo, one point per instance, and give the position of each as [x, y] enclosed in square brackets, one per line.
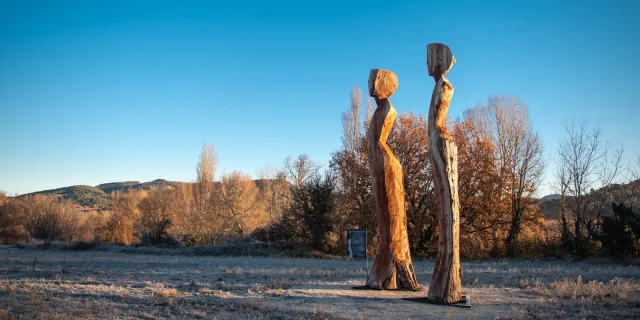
[237, 199]
[198, 218]
[157, 215]
[505, 120]
[408, 140]
[13, 212]
[274, 191]
[197, 221]
[124, 217]
[205, 178]
[484, 203]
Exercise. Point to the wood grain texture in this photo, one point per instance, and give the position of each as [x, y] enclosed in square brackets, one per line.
[446, 282]
[382, 83]
[440, 60]
[392, 267]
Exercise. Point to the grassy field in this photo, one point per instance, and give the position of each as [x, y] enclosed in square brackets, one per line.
[107, 284]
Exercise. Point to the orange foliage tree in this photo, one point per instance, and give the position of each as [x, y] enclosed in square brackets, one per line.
[484, 211]
[409, 139]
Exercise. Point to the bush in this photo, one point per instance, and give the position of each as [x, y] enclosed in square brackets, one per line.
[620, 232]
[117, 229]
[15, 234]
[82, 246]
[312, 205]
[282, 230]
[163, 240]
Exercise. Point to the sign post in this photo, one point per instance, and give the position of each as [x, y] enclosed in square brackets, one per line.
[357, 245]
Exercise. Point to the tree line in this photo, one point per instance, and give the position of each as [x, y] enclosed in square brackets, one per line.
[204, 212]
[501, 167]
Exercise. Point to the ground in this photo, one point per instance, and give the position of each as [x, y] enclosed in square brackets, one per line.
[108, 284]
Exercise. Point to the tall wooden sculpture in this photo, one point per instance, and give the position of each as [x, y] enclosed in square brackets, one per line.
[445, 286]
[392, 267]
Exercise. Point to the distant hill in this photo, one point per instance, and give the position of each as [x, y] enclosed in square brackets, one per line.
[86, 196]
[99, 196]
[550, 209]
[156, 183]
[117, 186]
[126, 185]
[550, 204]
[550, 197]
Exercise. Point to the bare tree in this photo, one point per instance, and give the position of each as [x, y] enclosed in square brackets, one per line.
[561, 187]
[635, 190]
[300, 170]
[585, 163]
[370, 109]
[51, 218]
[351, 121]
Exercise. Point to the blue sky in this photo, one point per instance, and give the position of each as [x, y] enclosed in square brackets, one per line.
[102, 91]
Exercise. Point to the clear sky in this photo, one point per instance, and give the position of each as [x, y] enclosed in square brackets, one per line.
[102, 91]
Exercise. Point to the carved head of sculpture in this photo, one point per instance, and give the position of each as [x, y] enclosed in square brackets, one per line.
[382, 83]
[440, 59]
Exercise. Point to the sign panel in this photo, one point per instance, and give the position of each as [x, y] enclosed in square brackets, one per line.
[356, 243]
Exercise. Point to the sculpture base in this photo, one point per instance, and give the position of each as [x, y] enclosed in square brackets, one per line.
[464, 303]
[399, 289]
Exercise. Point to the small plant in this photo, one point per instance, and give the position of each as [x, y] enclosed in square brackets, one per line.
[159, 290]
[33, 296]
[523, 284]
[220, 284]
[273, 285]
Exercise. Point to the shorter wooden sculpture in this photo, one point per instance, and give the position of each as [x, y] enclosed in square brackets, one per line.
[392, 267]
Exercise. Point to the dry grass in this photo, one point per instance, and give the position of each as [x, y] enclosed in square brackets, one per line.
[615, 289]
[107, 284]
[578, 299]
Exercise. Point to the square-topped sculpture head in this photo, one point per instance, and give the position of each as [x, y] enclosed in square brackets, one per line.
[382, 83]
[440, 59]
